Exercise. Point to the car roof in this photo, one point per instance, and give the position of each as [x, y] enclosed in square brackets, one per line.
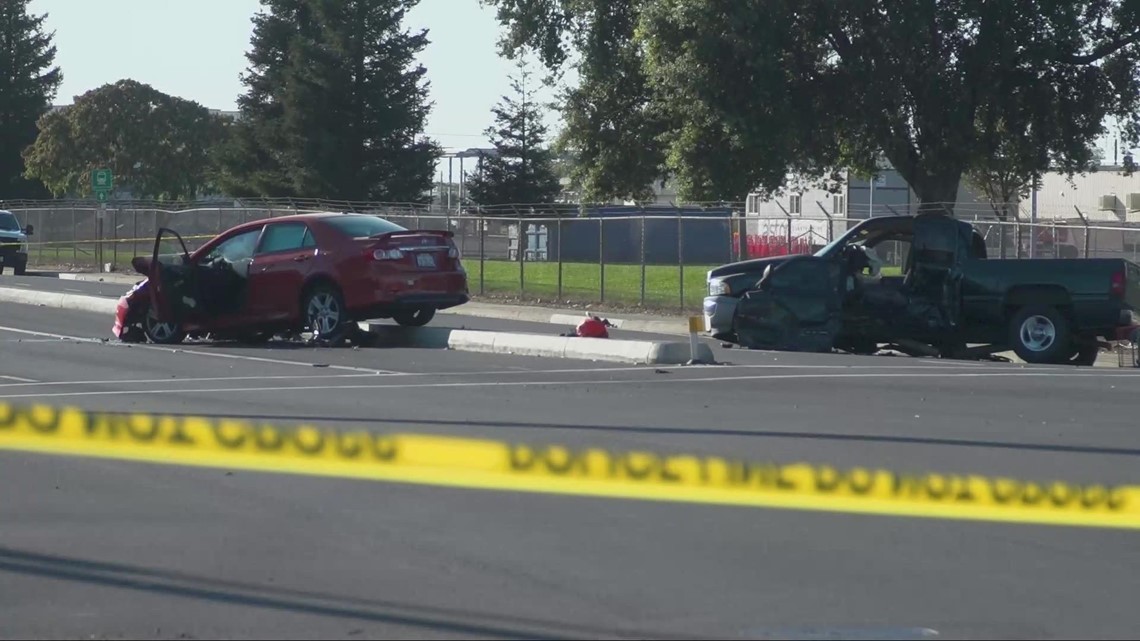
[297, 218]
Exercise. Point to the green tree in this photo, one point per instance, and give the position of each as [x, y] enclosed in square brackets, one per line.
[521, 171]
[771, 87]
[157, 145]
[28, 84]
[333, 105]
[610, 127]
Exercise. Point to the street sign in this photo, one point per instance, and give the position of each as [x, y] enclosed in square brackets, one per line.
[101, 195]
[102, 180]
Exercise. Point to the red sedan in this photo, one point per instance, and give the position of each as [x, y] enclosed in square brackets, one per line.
[316, 272]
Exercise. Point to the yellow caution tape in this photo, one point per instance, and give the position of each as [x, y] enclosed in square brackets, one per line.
[498, 465]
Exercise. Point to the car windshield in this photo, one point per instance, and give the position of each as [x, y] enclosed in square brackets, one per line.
[865, 232]
[361, 226]
[8, 221]
[845, 239]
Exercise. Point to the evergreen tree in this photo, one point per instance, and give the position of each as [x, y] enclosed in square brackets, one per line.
[28, 83]
[333, 106]
[521, 171]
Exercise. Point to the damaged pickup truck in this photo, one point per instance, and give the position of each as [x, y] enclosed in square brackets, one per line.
[949, 301]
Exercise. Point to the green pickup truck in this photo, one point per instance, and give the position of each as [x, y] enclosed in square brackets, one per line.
[949, 300]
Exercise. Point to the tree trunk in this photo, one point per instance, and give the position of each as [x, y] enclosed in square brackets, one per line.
[937, 193]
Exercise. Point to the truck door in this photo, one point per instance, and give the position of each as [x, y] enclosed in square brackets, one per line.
[796, 306]
[941, 245]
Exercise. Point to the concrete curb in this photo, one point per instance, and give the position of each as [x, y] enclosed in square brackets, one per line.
[519, 344]
[59, 300]
[592, 349]
[678, 327]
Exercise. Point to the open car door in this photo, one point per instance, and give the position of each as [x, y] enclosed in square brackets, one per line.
[797, 306]
[940, 246]
[172, 282]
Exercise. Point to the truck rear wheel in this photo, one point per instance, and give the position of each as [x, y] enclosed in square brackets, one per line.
[1040, 334]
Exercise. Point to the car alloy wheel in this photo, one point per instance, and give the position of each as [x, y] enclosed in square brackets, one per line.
[1038, 333]
[162, 333]
[325, 315]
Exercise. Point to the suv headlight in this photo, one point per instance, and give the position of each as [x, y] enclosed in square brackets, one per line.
[718, 287]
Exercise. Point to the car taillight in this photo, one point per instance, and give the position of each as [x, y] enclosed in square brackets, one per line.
[1116, 288]
[453, 252]
[387, 254]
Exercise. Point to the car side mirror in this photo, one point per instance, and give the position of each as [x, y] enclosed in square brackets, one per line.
[29, 230]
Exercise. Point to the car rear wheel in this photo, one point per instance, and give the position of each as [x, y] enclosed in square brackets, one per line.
[1040, 334]
[325, 314]
[416, 317]
[162, 333]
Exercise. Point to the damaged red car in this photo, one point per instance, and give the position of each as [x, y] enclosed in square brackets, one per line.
[320, 273]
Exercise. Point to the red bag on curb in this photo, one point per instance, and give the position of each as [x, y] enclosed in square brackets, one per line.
[593, 327]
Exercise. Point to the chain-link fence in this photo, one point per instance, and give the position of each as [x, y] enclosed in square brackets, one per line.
[653, 257]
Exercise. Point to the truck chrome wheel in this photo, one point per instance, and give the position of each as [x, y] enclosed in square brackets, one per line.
[1038, 333]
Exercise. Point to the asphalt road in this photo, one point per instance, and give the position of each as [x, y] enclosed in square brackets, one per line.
[100, 549]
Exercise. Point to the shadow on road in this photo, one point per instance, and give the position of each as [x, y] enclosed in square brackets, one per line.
[683, 431]
[182, 585]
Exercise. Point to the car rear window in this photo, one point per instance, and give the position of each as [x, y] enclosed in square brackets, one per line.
[359, 226]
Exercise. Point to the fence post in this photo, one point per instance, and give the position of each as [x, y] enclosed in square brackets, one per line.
[1085, 222]
[644, 222]
[482, 253]
[74, 236]
[829, 220]
[788, 234]
[521, 245]
[115, 236]
[1001, 236]
[602, 258]
[1017, 234]
[558, 245]
[100, 215]
[681, 256]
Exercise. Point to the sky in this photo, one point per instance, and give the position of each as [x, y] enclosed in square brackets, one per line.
[195, 49]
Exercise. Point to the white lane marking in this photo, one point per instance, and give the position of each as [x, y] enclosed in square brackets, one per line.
[213, 379]
[23, 381]
[455, 374]
[259, 359]
[647, 381]
[173, 350]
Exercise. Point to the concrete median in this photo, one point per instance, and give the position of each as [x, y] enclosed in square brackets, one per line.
[592, 349]
[58, 300]
[541, 345]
